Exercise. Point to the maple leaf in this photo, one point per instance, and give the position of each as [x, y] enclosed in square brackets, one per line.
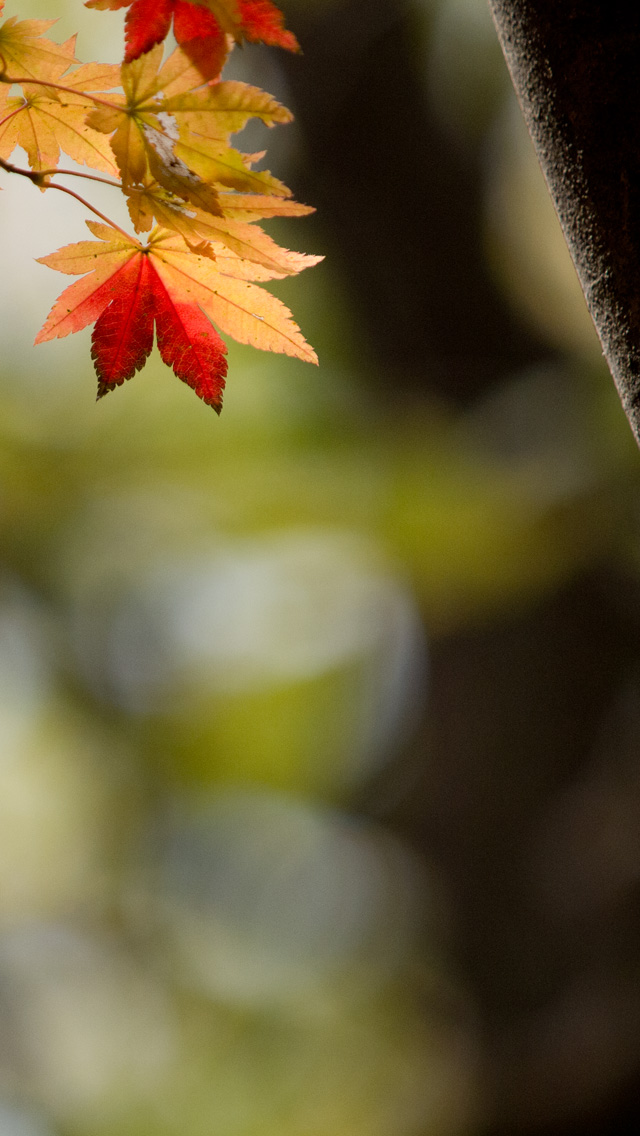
[262, 22]
[247, 241]
[201, 27]
[180, 137]
[125, 295]
[24, 51]
[128, 287]
[45, 121]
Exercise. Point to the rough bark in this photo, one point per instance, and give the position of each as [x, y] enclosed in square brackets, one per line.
[575, 65]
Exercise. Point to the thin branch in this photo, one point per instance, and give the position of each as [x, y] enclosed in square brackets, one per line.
[40, 178]
[81, 174]
[34, 175]
[83, 201]
[10, 80]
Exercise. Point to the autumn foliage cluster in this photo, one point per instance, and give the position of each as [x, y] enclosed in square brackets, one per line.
[159, 130]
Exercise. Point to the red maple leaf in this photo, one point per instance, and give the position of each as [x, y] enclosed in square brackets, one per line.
[123, 335]
[125, 294]
[200, 28]
[263, 23]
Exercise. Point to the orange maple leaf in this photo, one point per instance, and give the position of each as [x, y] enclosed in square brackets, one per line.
[128, 287]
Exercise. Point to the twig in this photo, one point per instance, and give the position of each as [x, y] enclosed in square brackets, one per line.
[81, 174]
[40, 178]
[25, 82]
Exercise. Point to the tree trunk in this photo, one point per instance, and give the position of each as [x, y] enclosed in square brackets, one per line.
[575, 65]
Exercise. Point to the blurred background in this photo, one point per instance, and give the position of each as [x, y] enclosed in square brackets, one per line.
[319, 785]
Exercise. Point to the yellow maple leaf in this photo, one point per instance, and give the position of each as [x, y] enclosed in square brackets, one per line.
[150, 202]
[25, 53]
[180, 137]
[251, 207]
[217, 111]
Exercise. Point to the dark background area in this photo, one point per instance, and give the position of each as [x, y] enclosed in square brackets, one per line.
[526, 712]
